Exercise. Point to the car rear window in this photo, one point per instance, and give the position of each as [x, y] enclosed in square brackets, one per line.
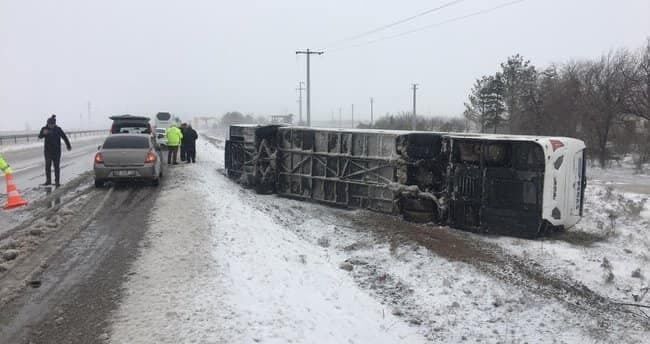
[130, 127]
[126, 142]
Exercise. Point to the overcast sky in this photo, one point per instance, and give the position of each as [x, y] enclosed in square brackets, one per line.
[195, 57]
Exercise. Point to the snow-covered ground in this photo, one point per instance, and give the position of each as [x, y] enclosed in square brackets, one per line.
[216, 269]
[609, 249]
[223, 265]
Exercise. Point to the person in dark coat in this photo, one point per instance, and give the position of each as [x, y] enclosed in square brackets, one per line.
[189, 140]
[52, 135]
[183, 143]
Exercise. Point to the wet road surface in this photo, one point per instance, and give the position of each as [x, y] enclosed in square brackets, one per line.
[70, 300]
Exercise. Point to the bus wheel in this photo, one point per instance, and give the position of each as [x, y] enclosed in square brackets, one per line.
[418, 216]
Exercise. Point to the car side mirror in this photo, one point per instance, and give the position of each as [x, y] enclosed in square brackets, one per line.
[99, 147]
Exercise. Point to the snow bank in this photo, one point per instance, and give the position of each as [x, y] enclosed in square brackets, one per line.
[448, 301]
[224, 265]
[219, 270]
[608, 250]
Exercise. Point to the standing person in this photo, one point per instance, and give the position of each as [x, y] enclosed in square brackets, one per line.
[4, 166]
[174, 137]
[53, 135]
[183, 144]
[189, 139]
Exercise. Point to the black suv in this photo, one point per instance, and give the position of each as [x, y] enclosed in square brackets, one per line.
[129, 124]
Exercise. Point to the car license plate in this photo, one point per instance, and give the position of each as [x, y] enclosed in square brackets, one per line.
[125, 173]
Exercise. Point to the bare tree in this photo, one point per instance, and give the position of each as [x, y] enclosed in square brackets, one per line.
[605, 92]
[605, 102]
[638, 101]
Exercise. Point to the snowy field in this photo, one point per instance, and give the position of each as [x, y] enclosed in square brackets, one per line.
[609, 249]
[221, 264]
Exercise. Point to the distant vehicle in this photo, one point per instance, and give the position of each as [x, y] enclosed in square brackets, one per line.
[128, 157]
[129, 124]
[163, 120]
[161, 137]
[506, 184]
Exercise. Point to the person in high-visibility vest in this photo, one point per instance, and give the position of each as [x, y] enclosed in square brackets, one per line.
[4, 166]
[174, 137]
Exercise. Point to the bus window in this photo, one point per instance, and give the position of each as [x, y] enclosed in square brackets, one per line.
[468, 152]
[496, 155]
[163, 116]
[528, 156]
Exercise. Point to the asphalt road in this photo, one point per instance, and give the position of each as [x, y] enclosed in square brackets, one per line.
[66, 281]
[70, 298]
[29, 165]
[29, 171]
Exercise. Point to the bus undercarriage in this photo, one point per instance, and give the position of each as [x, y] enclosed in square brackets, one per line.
[464, 181]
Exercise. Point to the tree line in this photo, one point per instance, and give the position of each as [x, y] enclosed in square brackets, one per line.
[236, 117]
[603, 101]
[403, 121]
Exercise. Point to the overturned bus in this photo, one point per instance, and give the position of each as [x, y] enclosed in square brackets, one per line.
[504, 184]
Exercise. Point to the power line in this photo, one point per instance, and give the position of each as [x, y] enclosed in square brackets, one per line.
[427, 27]
[401, 21]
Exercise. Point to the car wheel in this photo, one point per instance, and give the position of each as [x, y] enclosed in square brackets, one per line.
[99, 183]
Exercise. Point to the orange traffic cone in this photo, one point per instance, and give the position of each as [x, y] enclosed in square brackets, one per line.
[13, 197]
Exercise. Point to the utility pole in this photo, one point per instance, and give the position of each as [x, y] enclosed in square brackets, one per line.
[352, 116]
[372, 111]
[414, 118]
[340, 117]
[309, 53]
[300, 89]
[89, 112]
[89, 115]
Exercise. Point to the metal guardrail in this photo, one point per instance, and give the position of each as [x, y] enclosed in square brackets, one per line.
[25, 138]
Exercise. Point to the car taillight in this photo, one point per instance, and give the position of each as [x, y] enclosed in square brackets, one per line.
[151, 157]
[99, 158]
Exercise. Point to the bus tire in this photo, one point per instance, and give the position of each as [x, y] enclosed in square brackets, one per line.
[418, 216]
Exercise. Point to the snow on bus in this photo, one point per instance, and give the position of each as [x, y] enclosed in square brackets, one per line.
[503, 184]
